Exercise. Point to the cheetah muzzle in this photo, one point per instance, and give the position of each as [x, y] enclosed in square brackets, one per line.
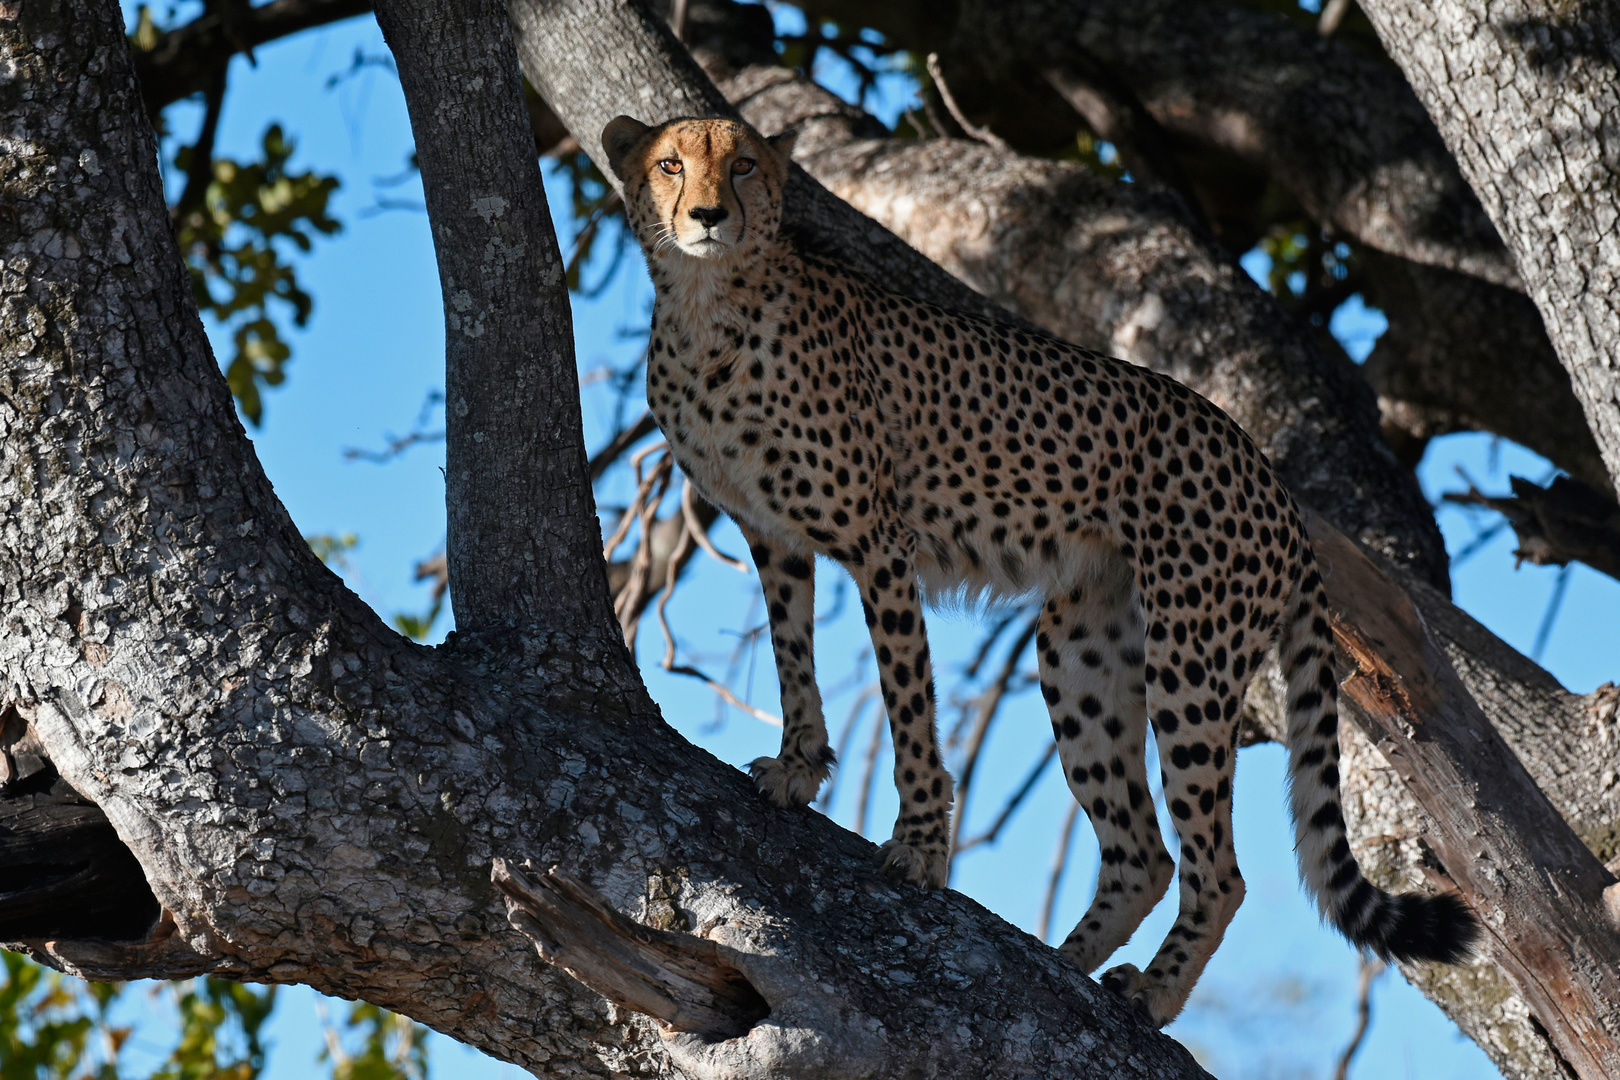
[928, 450]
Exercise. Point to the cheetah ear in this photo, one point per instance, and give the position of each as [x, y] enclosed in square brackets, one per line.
[619, 138]
[783, 145]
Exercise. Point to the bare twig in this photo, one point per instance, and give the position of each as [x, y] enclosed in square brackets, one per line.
[990, 835]
[699, 531]
[1333, 13]
[680, 979]
[397, 444]
[1371, 968]
[989, 705]
[974, 131]
[868, 694]
[200, 167]
[1060, 863]
[623, 440]
[608, 204]
[726, 695]
[869, 772]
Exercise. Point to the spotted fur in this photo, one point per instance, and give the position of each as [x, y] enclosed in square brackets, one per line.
[929, 451]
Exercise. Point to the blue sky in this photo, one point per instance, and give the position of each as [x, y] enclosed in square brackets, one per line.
[1278, 998]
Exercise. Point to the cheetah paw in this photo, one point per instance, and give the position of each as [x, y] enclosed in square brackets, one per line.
[925, 866]
[1147, 993]
[789, 784]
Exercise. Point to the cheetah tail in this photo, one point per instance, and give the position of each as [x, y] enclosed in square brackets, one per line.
[1410, 926]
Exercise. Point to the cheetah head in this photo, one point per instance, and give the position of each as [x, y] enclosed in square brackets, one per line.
[705, 189]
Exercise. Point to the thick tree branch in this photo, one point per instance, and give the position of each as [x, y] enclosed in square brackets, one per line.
[1341, 132]
[521, 516]
[1526, 94]
[1462, 354]
[1562, 523]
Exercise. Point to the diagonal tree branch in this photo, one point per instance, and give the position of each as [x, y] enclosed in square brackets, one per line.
[1541, 892]
[182, 61]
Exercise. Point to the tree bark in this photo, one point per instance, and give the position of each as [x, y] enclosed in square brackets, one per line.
[1527, 96]
[312, 797]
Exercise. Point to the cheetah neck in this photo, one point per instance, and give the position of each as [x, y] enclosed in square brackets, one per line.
[703, 305]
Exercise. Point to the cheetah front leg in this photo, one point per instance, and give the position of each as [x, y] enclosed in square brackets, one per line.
[920, 849]
[788, 577]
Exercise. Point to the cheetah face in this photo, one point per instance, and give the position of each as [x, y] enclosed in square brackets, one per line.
[704, 189]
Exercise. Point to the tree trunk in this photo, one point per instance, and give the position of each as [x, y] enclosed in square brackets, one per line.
[1527, 96]
[315, 799]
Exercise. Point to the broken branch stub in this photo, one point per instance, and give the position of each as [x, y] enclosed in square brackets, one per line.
[1565, 522]
[680, 979]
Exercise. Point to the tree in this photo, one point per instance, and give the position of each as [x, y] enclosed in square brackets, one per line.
[181, 660]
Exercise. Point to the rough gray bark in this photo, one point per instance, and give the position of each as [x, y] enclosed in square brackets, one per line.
[314, 798]
[1340, 132]
[1527, 96]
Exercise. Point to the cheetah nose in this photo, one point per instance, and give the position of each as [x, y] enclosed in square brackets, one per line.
[709, 216]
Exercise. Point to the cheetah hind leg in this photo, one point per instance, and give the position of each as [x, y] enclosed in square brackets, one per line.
[1089, 645]
[1195, 726]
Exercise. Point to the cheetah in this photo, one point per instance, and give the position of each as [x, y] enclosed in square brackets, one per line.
[928, 451]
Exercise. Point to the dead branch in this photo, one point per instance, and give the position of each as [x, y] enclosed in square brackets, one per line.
[989, 705]
[1017, 798]
[1060, 863]
[1559, 524]
[1538, 890]
[973, 131]
[1371, 968]
[678, 978]
[622, 441]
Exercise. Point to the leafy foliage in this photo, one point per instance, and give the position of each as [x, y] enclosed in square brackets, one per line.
[55, 1027]
[390, 1047]
[234, 244]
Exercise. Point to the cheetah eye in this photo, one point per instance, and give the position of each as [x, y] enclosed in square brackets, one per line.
[672, 166]
[742, 166]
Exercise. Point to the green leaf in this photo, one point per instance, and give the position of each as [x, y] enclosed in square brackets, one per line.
[235, 245]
